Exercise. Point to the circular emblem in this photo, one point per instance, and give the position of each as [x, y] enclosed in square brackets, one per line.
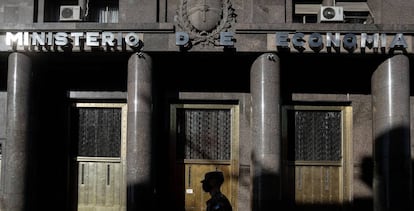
[205, 19]
[204, 15]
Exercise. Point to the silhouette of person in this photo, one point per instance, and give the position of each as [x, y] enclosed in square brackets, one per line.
[211, 184]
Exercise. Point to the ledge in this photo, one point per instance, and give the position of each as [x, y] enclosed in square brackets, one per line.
[241, 28]
[97, 95]
[325, 27]
[73, 26]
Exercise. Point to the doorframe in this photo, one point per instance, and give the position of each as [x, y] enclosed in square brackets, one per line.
[234, 152]
[75, 159]
[347, 149]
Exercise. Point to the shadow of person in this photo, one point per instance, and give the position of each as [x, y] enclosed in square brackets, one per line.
[211, 184]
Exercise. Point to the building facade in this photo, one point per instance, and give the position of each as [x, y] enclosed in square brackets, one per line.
[126, 104]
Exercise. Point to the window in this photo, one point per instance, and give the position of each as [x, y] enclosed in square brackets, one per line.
[99, 132]
[347, 11]
[204, 134]
[306, 11]
[316, 135]
[99, 11]
[102, 11]
[52, 9]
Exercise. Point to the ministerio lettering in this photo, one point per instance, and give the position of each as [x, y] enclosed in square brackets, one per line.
[90, 39]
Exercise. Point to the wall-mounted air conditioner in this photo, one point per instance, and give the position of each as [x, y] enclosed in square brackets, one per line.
[331, 14]
[70, 13]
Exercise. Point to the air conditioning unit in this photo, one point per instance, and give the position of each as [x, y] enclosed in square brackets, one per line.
[331, 14]
[70, 13]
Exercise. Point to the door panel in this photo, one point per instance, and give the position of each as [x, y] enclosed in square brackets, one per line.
[204, 138]
[99, 148]
[317, 150]
[99, 185]
[194, 193]
[317, 184]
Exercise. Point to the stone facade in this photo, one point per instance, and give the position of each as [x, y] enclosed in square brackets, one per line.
[248, 68]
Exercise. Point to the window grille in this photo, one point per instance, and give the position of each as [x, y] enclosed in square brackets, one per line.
[99, 132]
[204, 134]
[315, 135]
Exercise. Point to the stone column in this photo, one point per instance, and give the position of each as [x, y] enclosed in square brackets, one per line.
[266, 140]
[19, 133]
[390, 86]
[139, 149]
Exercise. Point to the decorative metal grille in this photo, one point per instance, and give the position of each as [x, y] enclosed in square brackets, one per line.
[317, 135]
[99, 132]
[205, 134]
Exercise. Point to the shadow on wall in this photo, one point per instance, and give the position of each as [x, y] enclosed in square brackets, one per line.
[392, 154]
[394, 167]
[140, 197]
[265, 192]
[358, 204]
[367, 167]
[318, 207]
[367, 176]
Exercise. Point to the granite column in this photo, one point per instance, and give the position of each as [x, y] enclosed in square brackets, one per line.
[266, 140]
[139, 148]
[390, 86]
[19, 133]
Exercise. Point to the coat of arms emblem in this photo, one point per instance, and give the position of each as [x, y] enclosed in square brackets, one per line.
[205, 19]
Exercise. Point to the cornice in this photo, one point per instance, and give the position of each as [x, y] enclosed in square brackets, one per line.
[317, 27]
[138, 27]
[240, 28]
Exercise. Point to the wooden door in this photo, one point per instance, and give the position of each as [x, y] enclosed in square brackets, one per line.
[317, 157]
[99, 156]
[204, 138]
[194, 194]
[99, 185]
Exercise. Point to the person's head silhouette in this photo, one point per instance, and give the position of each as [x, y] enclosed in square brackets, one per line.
[212, 183]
